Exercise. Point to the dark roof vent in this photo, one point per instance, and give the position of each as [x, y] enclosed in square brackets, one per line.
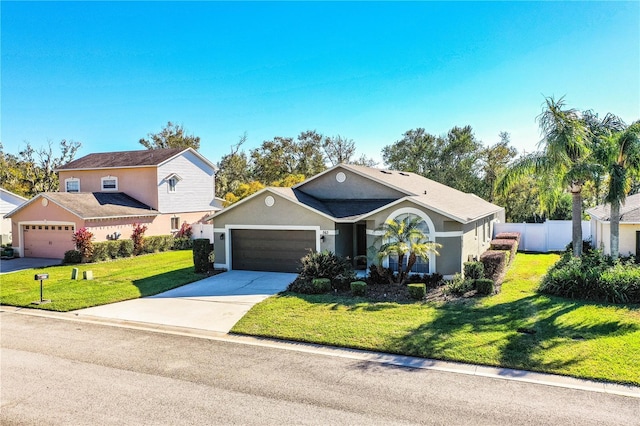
[404, 174]
[425, 192]
[386, 172]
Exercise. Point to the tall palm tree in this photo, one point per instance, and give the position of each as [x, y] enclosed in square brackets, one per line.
[403, 238]
[620, 156]
[563, 160]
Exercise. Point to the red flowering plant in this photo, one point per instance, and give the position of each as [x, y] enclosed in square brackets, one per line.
[138, 237]
[185, 231]
[82, 239]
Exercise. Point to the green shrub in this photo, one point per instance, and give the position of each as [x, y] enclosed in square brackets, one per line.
[484, 285]
[112, 248]
[157, 243]
[321, 285]
[593, 277]
[182, 243]
[473, 270]
[417, 291]
[431, 280]
[494, 262]
[379, 275]
[459, 285]
[100, 252]
[72, 256]
[201, 249]
[358, 288]
[125, 248]
[326, 264]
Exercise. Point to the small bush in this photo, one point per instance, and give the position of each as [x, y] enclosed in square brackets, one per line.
[484, 285]
[459, 285]
[321, 285]
[185, 231]
[358, 288]
[82, 238]
[431, 280]
[417, 291]
[494, 262]
[72, 256]
[201, 249]
[326, 264]
[182, 243]
[112, 248]
[473, 270]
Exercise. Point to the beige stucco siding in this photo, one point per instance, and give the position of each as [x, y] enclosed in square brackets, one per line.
[139, 182]
[438, 220]
[627, 241]
[283, 214]
[327, 187]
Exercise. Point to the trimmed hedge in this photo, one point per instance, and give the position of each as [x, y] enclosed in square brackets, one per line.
[505, 244]
[358, 288]
[321, 285]
[115, 249]
[201, 249]
[484, 285]
[182, 243]
[157, 243]
[473, 270]
[417, 291]
[494, 261]
[508, 236]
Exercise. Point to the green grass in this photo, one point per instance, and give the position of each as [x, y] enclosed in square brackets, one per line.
[114, 281]
[575, 338]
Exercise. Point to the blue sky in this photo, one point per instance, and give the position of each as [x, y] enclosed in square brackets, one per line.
[106, 74]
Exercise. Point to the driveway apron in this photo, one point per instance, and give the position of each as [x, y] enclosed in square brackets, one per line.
[216, 303]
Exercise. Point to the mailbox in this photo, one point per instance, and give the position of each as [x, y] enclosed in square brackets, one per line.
[41, 277]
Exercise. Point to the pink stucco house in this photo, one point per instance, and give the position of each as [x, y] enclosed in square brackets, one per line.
[108, 192]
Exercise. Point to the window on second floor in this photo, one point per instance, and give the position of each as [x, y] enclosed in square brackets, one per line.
[109, 183]
[172, 184]
[72, 185]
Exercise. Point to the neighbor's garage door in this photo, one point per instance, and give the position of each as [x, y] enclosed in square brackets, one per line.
[270, 250]
[47, 240]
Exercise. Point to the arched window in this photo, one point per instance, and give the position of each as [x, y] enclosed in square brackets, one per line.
[426, 226]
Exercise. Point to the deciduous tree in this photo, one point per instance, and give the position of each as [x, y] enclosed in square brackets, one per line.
[171, 136]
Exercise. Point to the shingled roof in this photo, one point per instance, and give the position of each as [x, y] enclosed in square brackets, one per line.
[107, 160]
[629, 211]
[95, 205]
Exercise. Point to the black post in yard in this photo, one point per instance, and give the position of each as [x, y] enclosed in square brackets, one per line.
[41, 277]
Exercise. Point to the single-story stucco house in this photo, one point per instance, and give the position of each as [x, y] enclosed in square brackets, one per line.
[340, 210]
[629, 242]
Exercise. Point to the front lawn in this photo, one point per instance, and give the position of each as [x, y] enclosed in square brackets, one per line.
[518, 328]
[113, 281]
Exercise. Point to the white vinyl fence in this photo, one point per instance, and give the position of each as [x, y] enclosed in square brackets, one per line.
[202, 230]
[552, 235]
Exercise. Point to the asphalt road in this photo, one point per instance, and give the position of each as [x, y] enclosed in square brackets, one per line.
[65, 372]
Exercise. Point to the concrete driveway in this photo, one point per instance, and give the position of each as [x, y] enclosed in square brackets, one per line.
[22, 263]
[215, 303]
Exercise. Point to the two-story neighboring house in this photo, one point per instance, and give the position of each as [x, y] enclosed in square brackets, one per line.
[108, 192]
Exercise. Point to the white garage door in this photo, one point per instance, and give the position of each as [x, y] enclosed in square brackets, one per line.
[49, 241]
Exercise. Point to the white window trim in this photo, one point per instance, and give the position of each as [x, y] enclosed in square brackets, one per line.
[171, 224]
[431, 235]
[175, 186]
[114, 178]
[66, 183]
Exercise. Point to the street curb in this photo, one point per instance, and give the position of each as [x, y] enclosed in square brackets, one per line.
[347, 353]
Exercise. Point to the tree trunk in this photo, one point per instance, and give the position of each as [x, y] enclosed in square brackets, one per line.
[400, 269]
[576, 219]
[615, 230]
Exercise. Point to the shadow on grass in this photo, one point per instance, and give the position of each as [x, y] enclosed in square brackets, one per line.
[155, 284]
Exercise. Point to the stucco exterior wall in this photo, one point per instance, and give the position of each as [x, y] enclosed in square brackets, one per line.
[139, 183]
[448, 262]
[195, 189]
[627, 241]
[355, 186]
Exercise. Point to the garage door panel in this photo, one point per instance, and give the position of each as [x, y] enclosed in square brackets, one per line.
[270, 250]
[50, 241]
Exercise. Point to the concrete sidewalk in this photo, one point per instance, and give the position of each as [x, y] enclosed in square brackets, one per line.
[214, 304]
